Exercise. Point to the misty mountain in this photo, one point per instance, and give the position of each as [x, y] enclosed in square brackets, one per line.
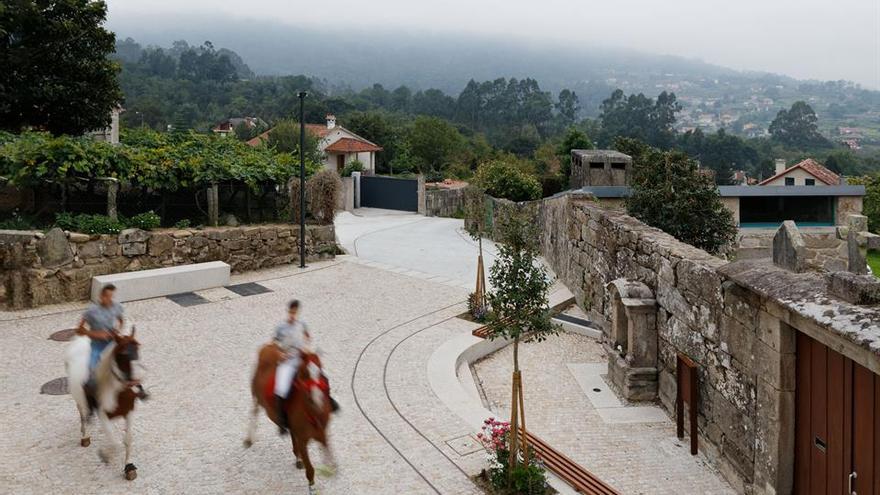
[420, 61]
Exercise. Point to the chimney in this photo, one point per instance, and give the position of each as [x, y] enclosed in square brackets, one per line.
[780, 165]
[331, 121]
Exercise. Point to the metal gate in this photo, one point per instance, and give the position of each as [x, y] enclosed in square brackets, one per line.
[390, 193]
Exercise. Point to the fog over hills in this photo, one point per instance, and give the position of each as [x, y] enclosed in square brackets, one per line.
[444, 61]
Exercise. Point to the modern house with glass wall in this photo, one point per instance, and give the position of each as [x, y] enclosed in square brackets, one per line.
[806, 192]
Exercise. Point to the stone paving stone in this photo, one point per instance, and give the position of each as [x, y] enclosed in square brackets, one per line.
[198, 360]
[643, 458]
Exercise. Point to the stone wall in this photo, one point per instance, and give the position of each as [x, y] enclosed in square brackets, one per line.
[444, 202]
[726, 329]
[58, 266]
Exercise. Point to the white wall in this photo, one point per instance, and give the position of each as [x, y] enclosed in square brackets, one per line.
[799, 175]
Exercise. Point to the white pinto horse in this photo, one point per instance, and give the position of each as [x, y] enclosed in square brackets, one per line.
[115, 394]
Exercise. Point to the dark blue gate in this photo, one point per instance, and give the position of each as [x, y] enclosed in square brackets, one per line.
[390, 193]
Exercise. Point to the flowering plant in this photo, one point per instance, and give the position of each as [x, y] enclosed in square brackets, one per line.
[527, 479]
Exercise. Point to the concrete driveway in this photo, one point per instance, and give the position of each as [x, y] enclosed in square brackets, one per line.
[434, 246]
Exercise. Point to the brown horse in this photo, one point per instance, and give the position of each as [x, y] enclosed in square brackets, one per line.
[114, 395]
[308, 406]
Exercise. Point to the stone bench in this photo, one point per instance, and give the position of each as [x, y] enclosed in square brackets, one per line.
[146, 284]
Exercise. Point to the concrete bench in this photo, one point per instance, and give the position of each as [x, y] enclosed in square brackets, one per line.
[145, 284]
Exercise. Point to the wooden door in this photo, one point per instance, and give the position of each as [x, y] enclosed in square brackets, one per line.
[340, 163]
[837, 424]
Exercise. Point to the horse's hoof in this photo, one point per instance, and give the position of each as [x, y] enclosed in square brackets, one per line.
[248, 443]
[299, 464]
[130, 472]
[85, 442]
[313, 490]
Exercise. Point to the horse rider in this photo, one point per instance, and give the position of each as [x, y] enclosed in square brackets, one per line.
[100, 323]
[292, 337]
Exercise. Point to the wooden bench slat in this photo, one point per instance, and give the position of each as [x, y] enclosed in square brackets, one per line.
[571, 472]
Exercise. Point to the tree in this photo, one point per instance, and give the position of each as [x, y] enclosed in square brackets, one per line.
[284, 138]
[520, 309]
[378, 128]
[797, 127]
[574, 139]
[568, 106]
[501, 179]
[670, 193]
[640, 117]
[56, 72]
[433, 143]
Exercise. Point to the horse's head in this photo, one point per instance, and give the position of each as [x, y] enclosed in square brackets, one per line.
[125, 353]
[311, 378]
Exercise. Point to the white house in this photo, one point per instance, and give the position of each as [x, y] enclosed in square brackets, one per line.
[806, 173]
[338, 145]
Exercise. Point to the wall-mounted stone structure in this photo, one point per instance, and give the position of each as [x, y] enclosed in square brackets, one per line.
[599, 168]
[738, 321]
[58, 266]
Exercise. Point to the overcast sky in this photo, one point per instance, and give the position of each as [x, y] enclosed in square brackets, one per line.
[815, 39]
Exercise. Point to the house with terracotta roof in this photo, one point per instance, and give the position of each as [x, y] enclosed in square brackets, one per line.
[338, 145]
[806, 173]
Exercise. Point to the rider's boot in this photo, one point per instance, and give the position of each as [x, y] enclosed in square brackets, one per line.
[282, 415]
[334, 406]
[141, 393]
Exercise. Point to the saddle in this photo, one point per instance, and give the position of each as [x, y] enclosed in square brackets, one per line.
[298, 385]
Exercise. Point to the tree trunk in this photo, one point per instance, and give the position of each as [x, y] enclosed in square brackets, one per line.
[514, 414]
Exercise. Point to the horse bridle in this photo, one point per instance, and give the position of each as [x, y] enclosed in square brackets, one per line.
[131, 352]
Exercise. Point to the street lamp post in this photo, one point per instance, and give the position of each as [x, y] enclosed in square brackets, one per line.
[302, 181]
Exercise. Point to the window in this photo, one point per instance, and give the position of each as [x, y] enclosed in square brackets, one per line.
[597, 165]
[789, 181]
[773, 210]
[618, 166]
[809, 182]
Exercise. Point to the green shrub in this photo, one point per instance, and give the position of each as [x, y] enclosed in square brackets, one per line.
[529, 479]
[17, 222]
[434, 176]
[182, 224]
[144, 221]
[88, 224]
[352, 166]
[503, 180]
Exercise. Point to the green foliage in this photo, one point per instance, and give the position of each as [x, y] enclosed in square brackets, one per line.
[502, 180]
[574, 139]
[17, 221]
[146, 158]
[352, 166]
[88, 224]
[478, 311]
[434, 143]
[669, 192]
[519, 281]
[144, 221]
[284, 138]
[56, 74]
[529, 479]
[183, 224]
[640, 117]
[871, 201]
[720, 152]
[797, 127]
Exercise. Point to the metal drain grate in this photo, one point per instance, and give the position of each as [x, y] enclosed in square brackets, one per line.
[249, 289]
[187, 299]
[57, 386]
[63, 335]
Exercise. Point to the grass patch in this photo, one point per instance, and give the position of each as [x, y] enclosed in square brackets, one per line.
[874, 262]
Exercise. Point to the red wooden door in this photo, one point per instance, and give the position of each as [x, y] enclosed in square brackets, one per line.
[837, 423]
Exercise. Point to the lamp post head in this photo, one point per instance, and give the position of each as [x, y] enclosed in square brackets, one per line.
[302, 94]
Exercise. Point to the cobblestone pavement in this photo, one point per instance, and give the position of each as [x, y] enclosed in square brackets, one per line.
[376, 329]
[634, 458]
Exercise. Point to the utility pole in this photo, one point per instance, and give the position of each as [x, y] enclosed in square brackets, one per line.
[302, 181]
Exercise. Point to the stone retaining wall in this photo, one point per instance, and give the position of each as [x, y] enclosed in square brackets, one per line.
[746, 366]
[444, 202]
[58, 266]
